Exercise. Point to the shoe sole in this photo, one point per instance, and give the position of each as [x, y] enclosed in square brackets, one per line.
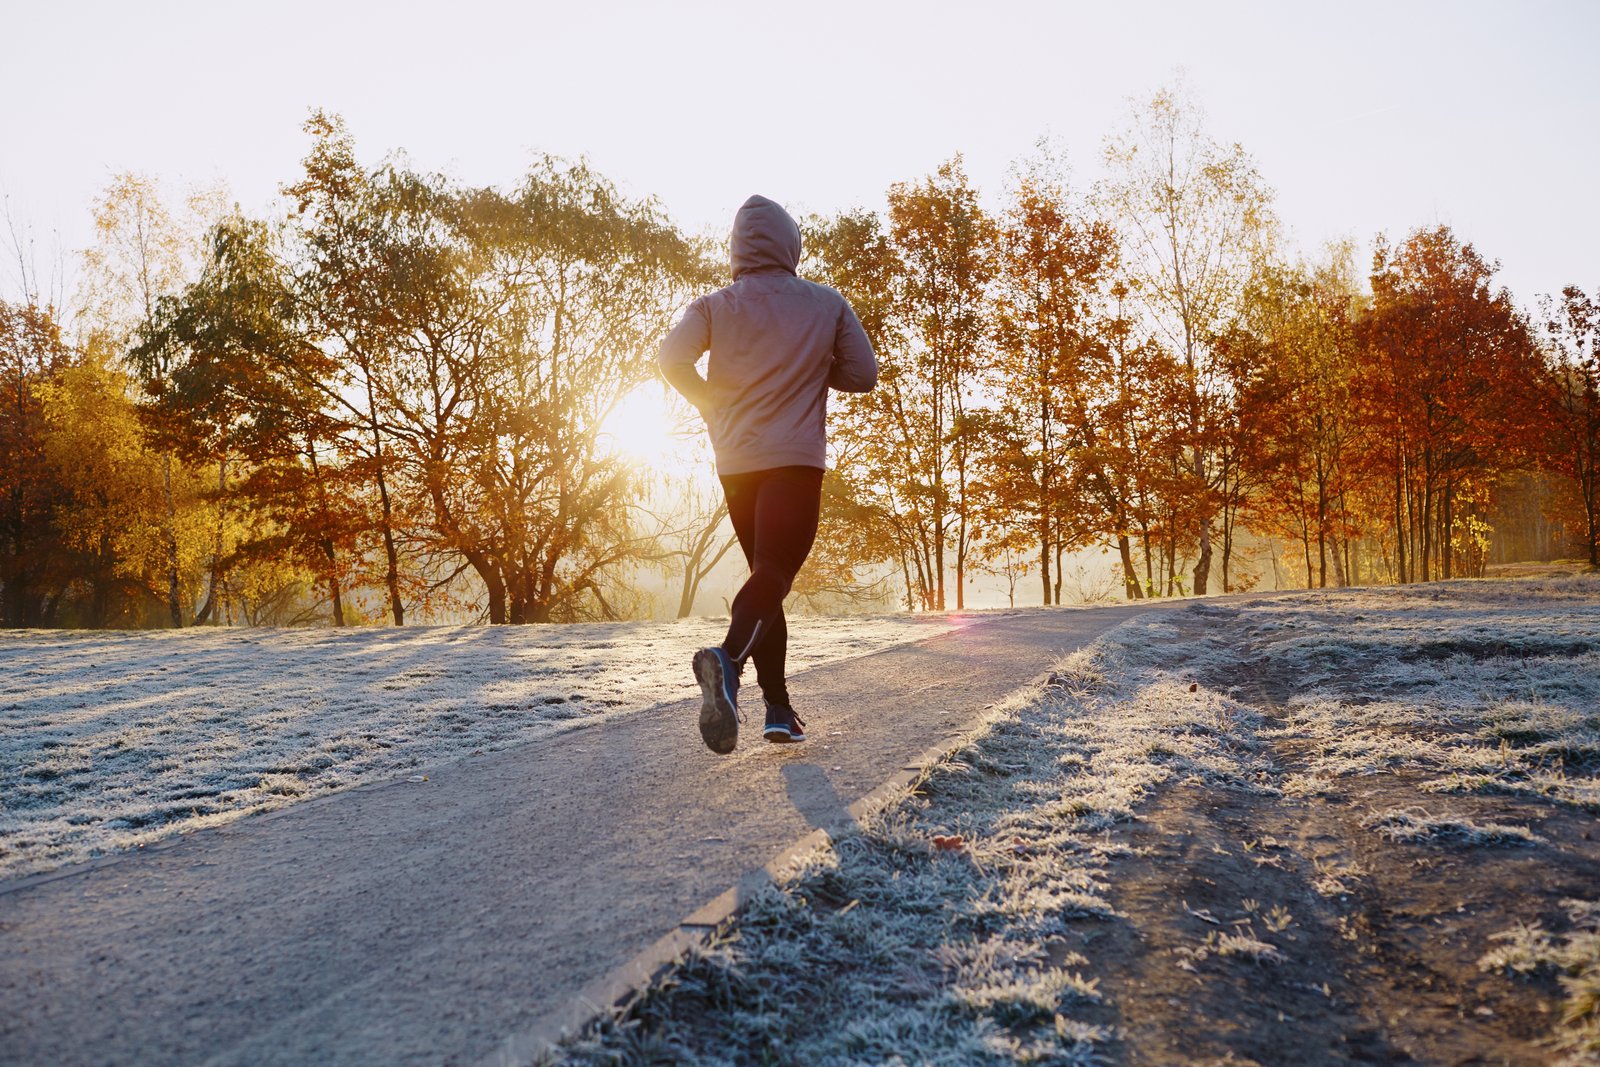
[719, 717]
[780, 735]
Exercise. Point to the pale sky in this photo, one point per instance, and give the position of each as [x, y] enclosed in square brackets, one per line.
[1363, 116]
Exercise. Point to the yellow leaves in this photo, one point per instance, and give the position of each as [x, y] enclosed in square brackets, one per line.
[113, 482]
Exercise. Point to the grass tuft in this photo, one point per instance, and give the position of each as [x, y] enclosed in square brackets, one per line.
[1529, 949]
[1418, 827]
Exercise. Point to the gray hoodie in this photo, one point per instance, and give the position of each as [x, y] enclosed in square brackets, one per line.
[777, 344]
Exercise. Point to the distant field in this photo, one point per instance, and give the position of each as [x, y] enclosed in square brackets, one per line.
[109, 740]
[1341, 827]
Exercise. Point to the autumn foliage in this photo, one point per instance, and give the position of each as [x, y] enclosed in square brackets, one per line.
[393, 399]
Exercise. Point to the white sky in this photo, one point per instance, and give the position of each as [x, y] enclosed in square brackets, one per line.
[1364, 116]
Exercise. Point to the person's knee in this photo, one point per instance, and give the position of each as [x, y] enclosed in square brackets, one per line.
[778, 573]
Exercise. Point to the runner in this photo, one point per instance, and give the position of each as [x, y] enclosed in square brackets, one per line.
[777, 345]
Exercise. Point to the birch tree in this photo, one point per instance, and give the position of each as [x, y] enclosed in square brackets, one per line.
[1195, 216]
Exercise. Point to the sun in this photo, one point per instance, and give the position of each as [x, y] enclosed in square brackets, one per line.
[644, 429]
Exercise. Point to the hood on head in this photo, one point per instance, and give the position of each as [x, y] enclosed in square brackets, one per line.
[764, 236]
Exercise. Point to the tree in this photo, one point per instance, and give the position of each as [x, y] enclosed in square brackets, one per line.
[1449, 375]
[701, 542]
[1573, 330]
[1055, 354]
[249, 391]
[118, 537]
[143, 252]
[876, 440]
[1196, 217]
[343, 286]
[519, 324]
[1296, 365]
[945, 242]
[32, 354]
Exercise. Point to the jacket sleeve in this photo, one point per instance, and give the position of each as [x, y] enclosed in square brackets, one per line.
[855, 368]
[685, 343]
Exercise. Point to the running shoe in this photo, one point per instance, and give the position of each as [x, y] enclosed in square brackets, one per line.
[783, 725]
[719, 699]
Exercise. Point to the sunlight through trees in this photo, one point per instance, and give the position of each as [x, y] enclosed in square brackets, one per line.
[408, 398]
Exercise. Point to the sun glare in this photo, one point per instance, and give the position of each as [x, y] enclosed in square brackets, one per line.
[641, 430]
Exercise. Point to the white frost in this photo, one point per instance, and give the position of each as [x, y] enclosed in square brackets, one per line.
[110, 739]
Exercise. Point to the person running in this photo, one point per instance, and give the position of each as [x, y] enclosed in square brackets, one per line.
[777, 345]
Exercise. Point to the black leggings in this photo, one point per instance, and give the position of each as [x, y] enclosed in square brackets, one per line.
[774, 514]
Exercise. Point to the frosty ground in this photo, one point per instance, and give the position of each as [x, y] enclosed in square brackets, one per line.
[110, 740]
[1342, 827]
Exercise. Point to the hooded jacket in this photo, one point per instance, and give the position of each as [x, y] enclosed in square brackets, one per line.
[777, 344]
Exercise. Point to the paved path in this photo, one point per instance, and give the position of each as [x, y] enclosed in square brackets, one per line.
[407, 923]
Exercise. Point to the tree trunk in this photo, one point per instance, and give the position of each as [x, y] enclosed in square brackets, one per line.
[335, 599]
[100, 599]
[1044, 557]
[1321, 477]
[1447, 521]
[1130, 578]
[1227, 548]
[961, 559]
[905, 573]
[204, 614]
[497, 600]
[1425, 522]
[391, 576]
[1305, 544]
[1149, 567]
[169, 537]
[697, 567]
[1202, 563]
[1399, 519]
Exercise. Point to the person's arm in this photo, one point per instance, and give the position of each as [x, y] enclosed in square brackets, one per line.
[855, 368]
[685, 343]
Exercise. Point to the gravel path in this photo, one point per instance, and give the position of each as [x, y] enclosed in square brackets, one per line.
[423, 922]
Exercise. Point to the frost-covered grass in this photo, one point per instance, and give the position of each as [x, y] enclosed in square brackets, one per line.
[1419, 827]
[109, 740]
[1484, 687]
[1527, 949]
[891, 947]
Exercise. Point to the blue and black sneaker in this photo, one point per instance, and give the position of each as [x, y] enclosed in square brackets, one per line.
[719, 699]
[783, 725]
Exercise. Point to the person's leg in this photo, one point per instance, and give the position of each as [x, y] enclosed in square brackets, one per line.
[774, 515]
[771, 652]
[779, 513]
[714, 669]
